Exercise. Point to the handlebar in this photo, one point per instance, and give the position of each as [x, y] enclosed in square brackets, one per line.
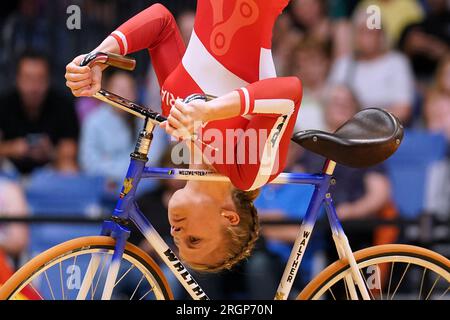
[110, 59]
[124, 63]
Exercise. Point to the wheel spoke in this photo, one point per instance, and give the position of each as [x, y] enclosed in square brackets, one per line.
[432, 288]
[74, 263]
[91, 276]
[101, 272]
[146, 293]
[123, 276]
[61, 280]
[54, 286]
[50, 287]
[346, 289]
[390, 280]
[135, 290]
[445, 292]
[389, 273]
[400, 281]
[332, 294]
[365, 281]
[34, 289]
[422, 281]
[381, 284]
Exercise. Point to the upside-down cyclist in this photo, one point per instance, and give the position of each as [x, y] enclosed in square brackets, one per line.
[245, 132]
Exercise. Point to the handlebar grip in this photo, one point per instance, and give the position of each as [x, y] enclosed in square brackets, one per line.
[121, 62]
[110, 59]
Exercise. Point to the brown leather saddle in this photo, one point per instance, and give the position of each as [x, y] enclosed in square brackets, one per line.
[369, 138]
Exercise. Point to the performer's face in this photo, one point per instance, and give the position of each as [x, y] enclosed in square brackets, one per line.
[199, 228]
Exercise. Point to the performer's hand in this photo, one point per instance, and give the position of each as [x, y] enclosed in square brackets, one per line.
[184, 119]
[83, 81]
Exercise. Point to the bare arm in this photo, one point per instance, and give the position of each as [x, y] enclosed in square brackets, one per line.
[16, 148]
[377, 194]
[282, 233]
[14, 236]
[402, 111]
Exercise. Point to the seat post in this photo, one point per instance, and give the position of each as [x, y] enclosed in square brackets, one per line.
[329, 167]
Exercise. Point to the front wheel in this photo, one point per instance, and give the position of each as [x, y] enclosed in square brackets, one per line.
[390, 272]
[58, 273]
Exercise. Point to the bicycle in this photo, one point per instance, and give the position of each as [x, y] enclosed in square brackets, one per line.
[370, 137]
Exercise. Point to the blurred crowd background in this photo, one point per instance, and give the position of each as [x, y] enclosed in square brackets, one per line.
[66, 157]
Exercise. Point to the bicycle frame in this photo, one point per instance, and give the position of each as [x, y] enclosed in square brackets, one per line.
[127, 210]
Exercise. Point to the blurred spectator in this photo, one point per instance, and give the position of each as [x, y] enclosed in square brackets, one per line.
[437, 120]
[186, 22]
[25, 28]
[35, 121]
[360, 193]
[63, 163]
[437, 113]
[370, 191]
[310, 18]
[310, 61]
[13, 236]
[84, 106]
[284, 40]
[427, 42]
[437, 188]
[396, 15]
[65, 160]
[437, 105]
[108, 134]
[379, 76]
[442, 78]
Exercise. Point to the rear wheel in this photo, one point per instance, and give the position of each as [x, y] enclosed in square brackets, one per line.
[57, 274]
[390, 272]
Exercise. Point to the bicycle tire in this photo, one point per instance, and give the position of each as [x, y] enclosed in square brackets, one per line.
[25, 274]
[334, 272]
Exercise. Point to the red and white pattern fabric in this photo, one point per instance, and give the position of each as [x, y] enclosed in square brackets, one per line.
[230, 49]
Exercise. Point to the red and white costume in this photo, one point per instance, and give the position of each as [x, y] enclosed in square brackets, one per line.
[230, 49]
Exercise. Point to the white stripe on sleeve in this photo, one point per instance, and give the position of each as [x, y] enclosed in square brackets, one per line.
[124, 40]
[274, 106]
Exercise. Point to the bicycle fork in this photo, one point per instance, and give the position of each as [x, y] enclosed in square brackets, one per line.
[120, 233]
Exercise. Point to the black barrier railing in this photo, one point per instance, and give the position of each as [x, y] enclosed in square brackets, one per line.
[426, 225]
[360, 223]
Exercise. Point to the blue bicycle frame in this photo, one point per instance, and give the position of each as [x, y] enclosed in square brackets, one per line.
[127, 210]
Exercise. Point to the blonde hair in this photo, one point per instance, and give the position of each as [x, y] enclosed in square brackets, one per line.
[241, 237]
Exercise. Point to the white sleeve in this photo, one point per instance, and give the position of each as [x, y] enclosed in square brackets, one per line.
[340, 71]
[403, 90]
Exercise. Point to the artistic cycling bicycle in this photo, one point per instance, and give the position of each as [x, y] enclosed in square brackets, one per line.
[107, 267]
